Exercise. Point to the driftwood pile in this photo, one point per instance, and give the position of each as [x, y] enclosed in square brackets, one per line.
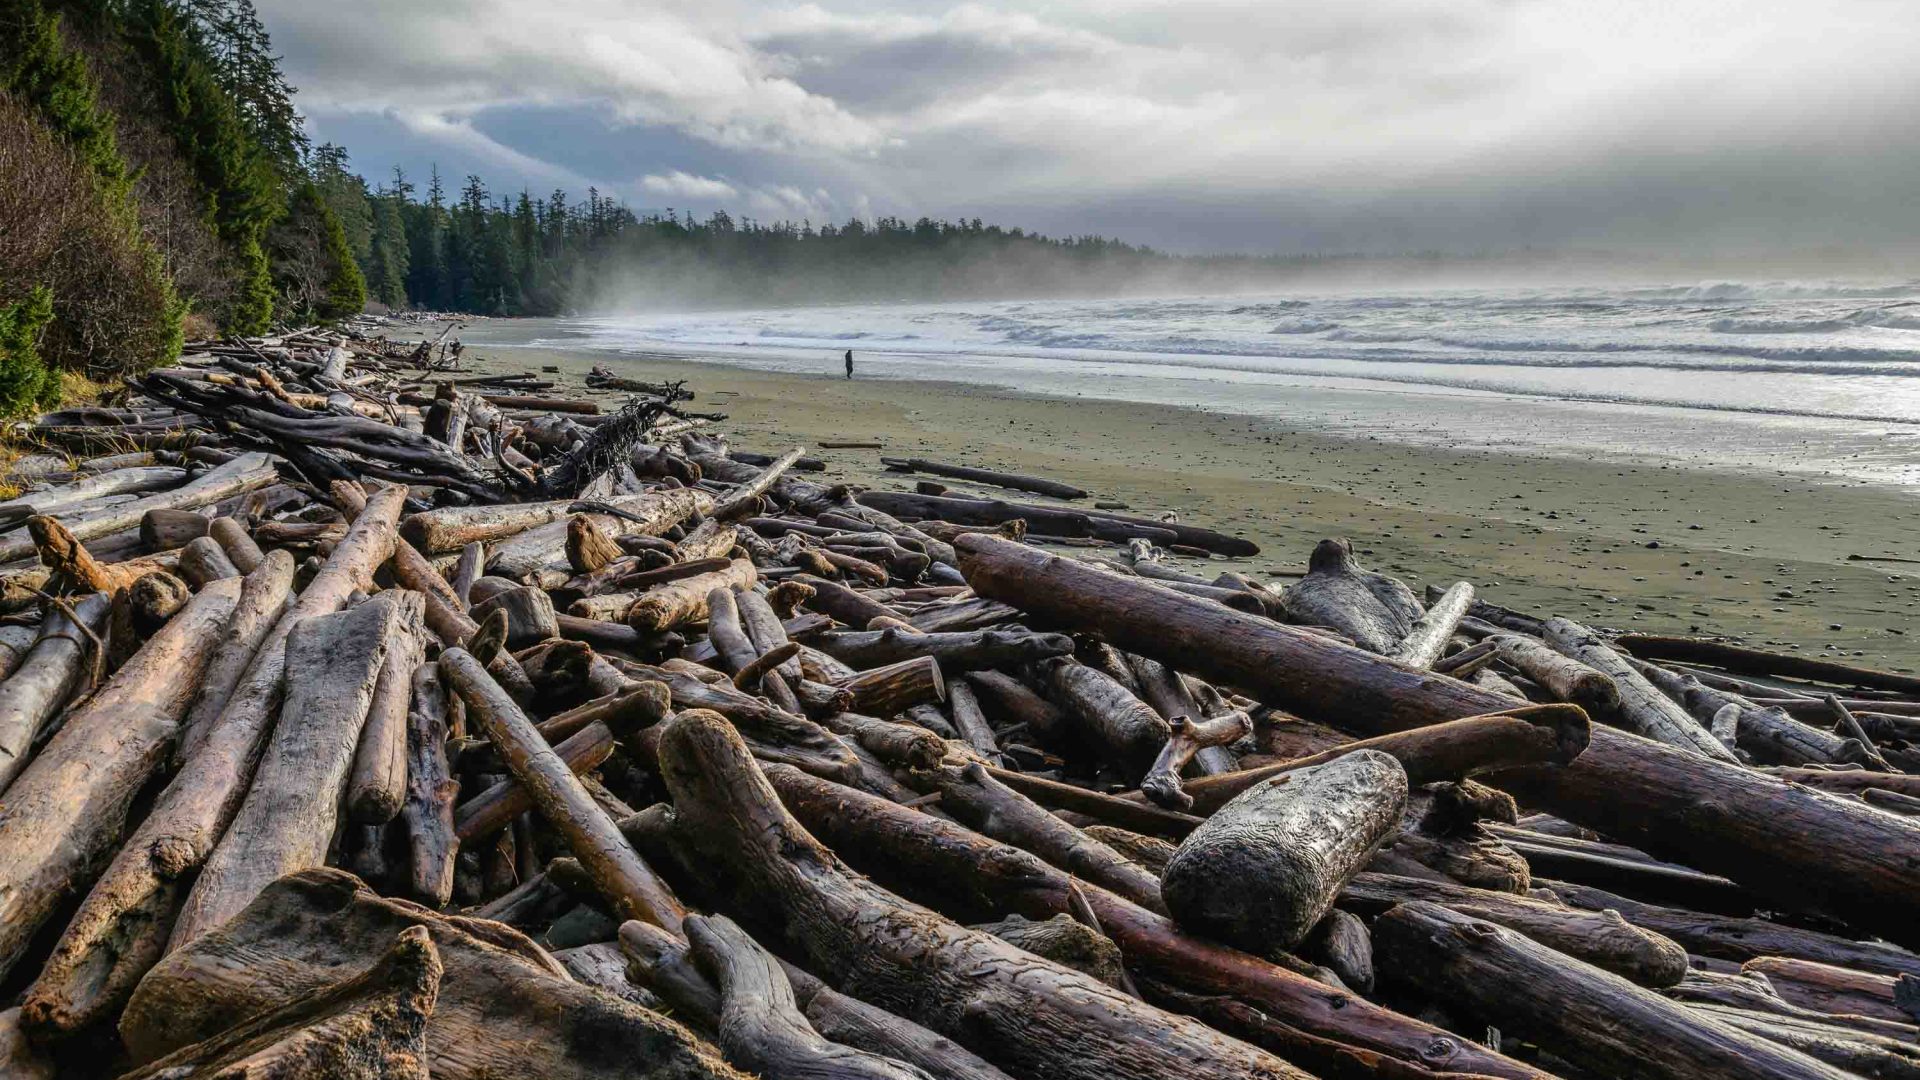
[365, 718]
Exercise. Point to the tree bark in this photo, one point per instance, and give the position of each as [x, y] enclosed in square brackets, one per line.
[1267, 866]
[426, 815]
[1122, 729]
[63, 815]
[1020, 1012]
[284, 825]
[1576, 1010]
[884, 691]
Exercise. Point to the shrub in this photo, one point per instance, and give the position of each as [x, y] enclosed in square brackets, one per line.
[25, 380]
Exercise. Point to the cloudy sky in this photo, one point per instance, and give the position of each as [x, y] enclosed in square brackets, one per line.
[1253, 125]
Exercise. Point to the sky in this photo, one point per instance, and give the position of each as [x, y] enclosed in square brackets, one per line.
[1259, 126]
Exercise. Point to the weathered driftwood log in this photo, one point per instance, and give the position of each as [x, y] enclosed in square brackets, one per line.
[1065, 942]
[1121, 728]
[1167, 691]
[309, 930]
[629, 886]
[976, 798]
[847, 605]
[239, 545]
[15, 643]
[955, 652]
[530, 615]
[1455, 750]
[1431, 631]
[140, 611]
[125, 921]
[451, 528]
[1601, 938]
[884, 691]
[426, 815]
[665, 964]
[495, 807]
[652, 513]
[87, 488]
[370, 1027]
[167, 529]
[760, 1026]
[377, 782]
[1374, 611]
[1793, 845]
[284, 825]
[1140, 815]
[666, 606]
[1050, 520]
[20, 1057]
[1576, 1010]
[970, 722]
[446, 612]
[204, 560]
[1771, 735]
[241, 475]
[1267, 866]
[1734, 938]
[56, 666]
[1037, 485]
[1014, 1009]
[70, 561]
[1747, 661]
[1755, 991]
[589, 548]
[1643, 709]
[1189, 737]
[1341, 942]
[63, 815]
[968, 876]
[1856, 1052]
[1829, 989]
[1562, 676]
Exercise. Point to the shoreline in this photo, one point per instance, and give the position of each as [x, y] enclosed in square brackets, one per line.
[1647, 547]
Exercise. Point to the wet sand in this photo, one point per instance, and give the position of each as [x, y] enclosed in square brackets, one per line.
[1654, 548]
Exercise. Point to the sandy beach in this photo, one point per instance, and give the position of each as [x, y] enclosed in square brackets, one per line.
[1654, 548]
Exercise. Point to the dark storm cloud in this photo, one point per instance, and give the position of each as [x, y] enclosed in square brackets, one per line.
[1189, 124]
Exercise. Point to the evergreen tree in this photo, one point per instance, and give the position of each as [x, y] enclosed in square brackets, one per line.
[26, 381]
[241, 56]
[37, 66]
[312, 264]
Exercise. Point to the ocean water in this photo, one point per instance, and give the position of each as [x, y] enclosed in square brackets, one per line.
[1815, 378]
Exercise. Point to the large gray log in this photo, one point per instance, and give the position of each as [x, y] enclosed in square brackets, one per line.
[1372, 610]
[1265, 867]
[236, 477]
[45, 679]
[1643, 710]
[288, 818]
[63, 816]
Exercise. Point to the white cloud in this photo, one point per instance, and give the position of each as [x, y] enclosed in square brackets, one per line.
[1594, 116]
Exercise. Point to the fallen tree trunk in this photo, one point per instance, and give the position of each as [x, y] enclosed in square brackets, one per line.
[1746, 661]
[377, 782]
[666, 606]
[1454, 750]
[426, 815]
[1374, 611]
[193, 813]
[1035, 484]
[1643, 709]
[290, 812]
[56, 665]
[1012, 1008]
[1578, 1011]
[1266, 867]
[1601, 938]
[969, 876]
[62, 816]
[955, 652]
[1121, 728]
[521, 554]
[1797, 846]
[630, 887]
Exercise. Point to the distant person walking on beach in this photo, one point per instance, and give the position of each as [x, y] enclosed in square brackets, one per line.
[849, 363]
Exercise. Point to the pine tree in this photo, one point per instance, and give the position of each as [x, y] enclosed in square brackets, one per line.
[242, 59]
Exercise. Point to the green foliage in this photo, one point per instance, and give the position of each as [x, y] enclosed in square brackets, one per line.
[238, 178]
[37, 66]
[313, 267]
[25, 380]
[237, 50]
